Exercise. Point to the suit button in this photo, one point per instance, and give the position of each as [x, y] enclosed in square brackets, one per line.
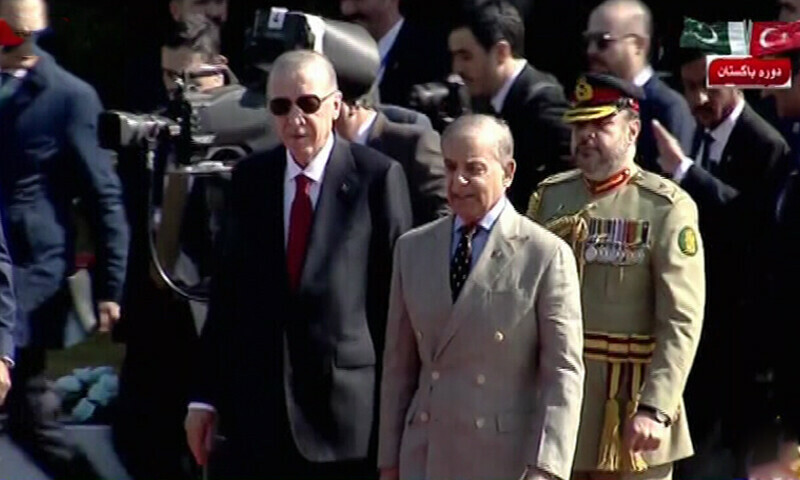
[480, 422]
[480, 379]
[423, 417]
[434, 375]
[498, 336]
[418, 333]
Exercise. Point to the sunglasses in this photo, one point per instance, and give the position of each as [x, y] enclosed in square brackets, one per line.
[603, 40]
[309, 104]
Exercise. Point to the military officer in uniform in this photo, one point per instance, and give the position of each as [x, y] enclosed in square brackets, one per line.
[640, 260]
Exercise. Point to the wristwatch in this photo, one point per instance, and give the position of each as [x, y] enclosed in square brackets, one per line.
[657, 414]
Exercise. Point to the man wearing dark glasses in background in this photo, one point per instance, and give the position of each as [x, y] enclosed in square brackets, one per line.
[288, 356]
[618, 40]
[49, 158]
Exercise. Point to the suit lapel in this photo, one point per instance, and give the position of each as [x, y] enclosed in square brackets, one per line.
[331, 217]
[376, 131]
[735, 144]
[33, 83]
[268, 205]
[496, 256]
[517, 92]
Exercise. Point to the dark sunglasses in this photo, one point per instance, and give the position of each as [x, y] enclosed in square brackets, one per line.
[603, 40]
[309, 104]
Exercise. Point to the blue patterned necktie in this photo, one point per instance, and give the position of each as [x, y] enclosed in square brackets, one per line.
[462, 261]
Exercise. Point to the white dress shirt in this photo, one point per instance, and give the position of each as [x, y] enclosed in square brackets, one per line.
[721, 134]
[363, 131]
[385, 44]
[643, 76]
[499, 98]
[315, 170]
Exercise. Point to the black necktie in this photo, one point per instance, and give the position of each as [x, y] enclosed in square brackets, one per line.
[462, 261]
[705, 161]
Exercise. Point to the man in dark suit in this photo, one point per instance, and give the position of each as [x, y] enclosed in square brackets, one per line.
[298, 310]
[401, 44]
[50, 156]
[487, 45]
[618, 42]
[416, 148]
[735, 156]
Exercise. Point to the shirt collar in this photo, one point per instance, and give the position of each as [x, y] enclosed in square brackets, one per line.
[488, 220]
[19, 73]
[387, 40]
[643, 76]
[723, 131]
[315, 168]
[499, 98]
[364, 129]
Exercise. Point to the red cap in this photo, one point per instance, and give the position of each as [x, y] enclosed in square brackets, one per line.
[7, 36]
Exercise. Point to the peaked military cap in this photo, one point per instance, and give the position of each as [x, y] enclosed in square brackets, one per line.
[598, 95]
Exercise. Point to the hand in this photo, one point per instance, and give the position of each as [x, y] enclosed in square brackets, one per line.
[390, 473]
[670, 153]
[5, 381]
[200, 426]
[643, 433]
[109, 313]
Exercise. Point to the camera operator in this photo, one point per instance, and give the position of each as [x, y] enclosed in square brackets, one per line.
[415, 147]
[487, 45]
[159, 329]
[400, 44]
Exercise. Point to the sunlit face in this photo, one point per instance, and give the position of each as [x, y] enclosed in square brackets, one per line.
[476, 66]
[214, 10]
[183, 63]
[599, 147]
[24, 17]
[304, 134]
[476, 180]
[610, 47]
[710, 106]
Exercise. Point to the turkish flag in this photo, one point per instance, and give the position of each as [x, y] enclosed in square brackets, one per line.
[769, 38]
[7, 36]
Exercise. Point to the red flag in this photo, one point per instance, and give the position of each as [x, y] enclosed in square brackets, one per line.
[7, 36]
[774, 37]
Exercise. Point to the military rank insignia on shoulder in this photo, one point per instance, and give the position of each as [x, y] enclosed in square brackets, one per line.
[616, 241]
[560, 177]
[656, 184]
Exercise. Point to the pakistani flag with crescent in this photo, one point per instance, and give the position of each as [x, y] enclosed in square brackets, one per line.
[720, 38]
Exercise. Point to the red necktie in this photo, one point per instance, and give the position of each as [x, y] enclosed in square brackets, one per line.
[299, 228]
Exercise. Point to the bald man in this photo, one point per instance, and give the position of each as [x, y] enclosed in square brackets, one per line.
[483, 368]
[618, 40]
[289, 352]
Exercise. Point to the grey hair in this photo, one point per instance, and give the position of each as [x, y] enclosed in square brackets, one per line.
[296, 60]
[478, 123]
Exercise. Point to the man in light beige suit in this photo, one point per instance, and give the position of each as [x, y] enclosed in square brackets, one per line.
[483, 370]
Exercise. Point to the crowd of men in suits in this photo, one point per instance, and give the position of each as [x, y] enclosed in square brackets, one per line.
[587, 283]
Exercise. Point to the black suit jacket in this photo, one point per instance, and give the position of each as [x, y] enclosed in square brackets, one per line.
[731, 217]
[330, 332]
[418, 150]
[49, 156]
[534, 109]
[664, 104]
[407, 65]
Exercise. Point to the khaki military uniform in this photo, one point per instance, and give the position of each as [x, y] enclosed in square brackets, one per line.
[640, 259]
